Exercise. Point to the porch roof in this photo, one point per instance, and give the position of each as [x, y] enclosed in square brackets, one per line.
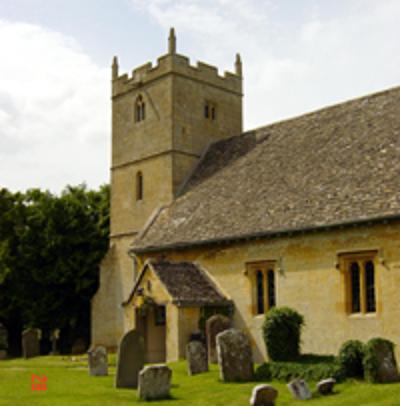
[186, 282]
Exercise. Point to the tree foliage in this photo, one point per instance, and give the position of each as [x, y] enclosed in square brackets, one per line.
[50, 250]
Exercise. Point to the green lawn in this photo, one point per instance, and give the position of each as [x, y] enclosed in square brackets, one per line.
[69, 384]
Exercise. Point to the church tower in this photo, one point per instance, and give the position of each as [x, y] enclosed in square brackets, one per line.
[163, 118]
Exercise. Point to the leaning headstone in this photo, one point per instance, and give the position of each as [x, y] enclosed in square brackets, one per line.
[325, 387]
[97, 359]
[386, 370]
[130, 360]
[235, 358]
[263, 395]
[30, 342]
[3, 342]
[154, 382]
[299, 389]
[214, 325]
[54, 337]
[196, 356]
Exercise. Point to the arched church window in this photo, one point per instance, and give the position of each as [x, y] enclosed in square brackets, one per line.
[140, 109]
[139, 186]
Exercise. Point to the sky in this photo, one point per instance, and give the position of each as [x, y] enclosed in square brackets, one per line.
[55, 56]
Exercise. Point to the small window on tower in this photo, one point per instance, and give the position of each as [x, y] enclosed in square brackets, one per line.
[139, 186]
[210, 111]
[140, 109]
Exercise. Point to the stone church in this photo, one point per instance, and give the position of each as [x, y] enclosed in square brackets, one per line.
[206, 218]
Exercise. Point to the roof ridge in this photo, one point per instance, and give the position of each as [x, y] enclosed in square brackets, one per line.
[332, 106]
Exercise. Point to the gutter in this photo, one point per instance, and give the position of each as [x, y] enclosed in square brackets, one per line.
[265, 234]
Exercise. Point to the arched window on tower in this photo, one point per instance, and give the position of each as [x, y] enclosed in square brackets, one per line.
[140, 109]
[139, 186]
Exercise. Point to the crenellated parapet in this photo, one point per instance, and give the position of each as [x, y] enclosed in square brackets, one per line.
[173, 63]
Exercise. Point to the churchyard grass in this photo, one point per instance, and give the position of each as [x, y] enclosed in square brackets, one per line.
[68, 383]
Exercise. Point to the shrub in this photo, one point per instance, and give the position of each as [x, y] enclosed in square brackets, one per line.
[308, 369]
[350, 357]
[370, 361]
[281, 332]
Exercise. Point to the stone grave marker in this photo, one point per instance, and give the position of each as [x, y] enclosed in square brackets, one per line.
[325, 387]
[3, 342]
[263, 395]
[387, 366]
[54, 337]
[97, 360]
[130, 360]
[235, 357]
[214, 325]
[79, 346]
[30, 342]
[155, 382]
[299, 389]
[196, 356]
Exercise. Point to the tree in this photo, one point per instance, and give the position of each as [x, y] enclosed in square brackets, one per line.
[58, 247]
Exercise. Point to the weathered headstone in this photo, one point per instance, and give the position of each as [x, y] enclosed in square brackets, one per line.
[387, 366]
[79, 346]
[54, 336]
[98, 363]
[154, 382]
[3, 342]
[30, 342]
[130, 360]
[263, 395]
[325, 387]
[196, 356]
[299, 389]
[214, 325]
[235, 358]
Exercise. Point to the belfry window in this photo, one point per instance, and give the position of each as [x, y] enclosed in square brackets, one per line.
[140, 109]
[139, 186]
[210, 111]
[359, 272]
[262, 276]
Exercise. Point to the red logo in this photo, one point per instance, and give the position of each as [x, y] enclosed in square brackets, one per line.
[38, 382]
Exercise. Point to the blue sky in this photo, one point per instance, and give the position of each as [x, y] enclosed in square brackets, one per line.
[54, 76]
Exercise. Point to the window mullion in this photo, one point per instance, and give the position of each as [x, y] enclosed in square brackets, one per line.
[363, 298]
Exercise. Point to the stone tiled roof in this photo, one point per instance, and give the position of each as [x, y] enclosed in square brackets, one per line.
[334, 166]
[188, 284]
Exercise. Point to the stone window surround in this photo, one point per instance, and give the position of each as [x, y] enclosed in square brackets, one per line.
[252, 269]
[344, 264]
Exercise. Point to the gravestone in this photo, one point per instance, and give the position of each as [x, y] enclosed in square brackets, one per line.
[3, 342]
[130, 360]
[196, 356]
[97, 360]
[54, 337]
[263, 395]
[154, 382]
[325, 387]
[214, 325]
[235, 358]
[79, 346]
[387, 366]
[299, 389]
[30, 342]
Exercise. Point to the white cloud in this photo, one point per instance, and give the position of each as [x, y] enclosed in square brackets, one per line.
[295, 58]
[54, 111]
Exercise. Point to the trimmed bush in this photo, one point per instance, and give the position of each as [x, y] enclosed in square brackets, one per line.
[303, 368]
[350, 358]
[281, 332]
[371, 362]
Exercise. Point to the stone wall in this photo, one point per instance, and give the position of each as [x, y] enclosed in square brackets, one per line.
[310, 282]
